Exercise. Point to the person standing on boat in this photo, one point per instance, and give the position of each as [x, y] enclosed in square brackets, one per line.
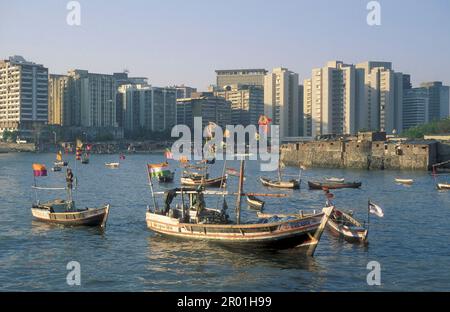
[69, 180]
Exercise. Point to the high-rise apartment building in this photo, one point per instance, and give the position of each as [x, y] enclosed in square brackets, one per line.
[211, 108]
[281, 102]
[147, 107]
[253, 77]
[329, 100]
[415, 107]
[439, 103]
[184, 92]
[379, 97]
[247, 103]
[58, 100]
[92, 99]
[23, 95]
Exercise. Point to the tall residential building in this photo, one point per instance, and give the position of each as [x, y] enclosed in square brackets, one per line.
[147, 107]
[211, 108]
[254, 77]
[92, 99]
[439, 104]
[184, 92]
[281, 102]
[23, 95]
[329, 100]
[247, 103]
[58, 108]
[379, 97]
[415, 107]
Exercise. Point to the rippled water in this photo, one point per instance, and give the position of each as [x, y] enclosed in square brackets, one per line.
[411, 242]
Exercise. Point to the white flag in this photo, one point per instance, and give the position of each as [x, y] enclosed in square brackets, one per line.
[376, 210]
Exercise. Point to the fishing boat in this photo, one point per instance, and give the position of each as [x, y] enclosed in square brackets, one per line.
[59, 162]
[343, 225]
[333, 179]
[65, 212]
[254, 202]
[315, 185]
[292, 184]
[443, 186]
[404, 181]
[193, 220]
[112, 165]
[201, 181]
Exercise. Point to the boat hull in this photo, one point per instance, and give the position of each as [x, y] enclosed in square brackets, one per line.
[349, 234]
[255, 203]
[281, 235]
[217, 182]
[332, 186]
[294, 184]
[443, 186]
[90, 217]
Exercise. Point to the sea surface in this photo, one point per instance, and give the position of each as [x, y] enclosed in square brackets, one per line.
[411, 243]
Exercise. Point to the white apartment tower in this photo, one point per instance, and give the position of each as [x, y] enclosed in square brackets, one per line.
[281, 101]
[329, 100]
[23, 95]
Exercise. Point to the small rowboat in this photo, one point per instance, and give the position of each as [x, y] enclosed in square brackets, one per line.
[57, 169]
[443, 186]
[292, 184]
[314, 185]
[343, 225]
[112, 165]
[332, 179]
[61, 163]
[254, 202]
[404, 181]
[214, 182]
[65, 213]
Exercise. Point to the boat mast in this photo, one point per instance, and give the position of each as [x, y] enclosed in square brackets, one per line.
[151, 189]
[239, 195]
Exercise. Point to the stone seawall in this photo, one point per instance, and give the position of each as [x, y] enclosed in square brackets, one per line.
[14, 147]
[365, 155]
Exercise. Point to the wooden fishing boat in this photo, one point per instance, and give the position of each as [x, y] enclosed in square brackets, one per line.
[200, 181]
[315, 185]
[333, 179]
[443, 186]
[254, 202]
[193, 220]
[167, 178]
[59, 162]
[292, 184]
[64, 212]
[404, 181]
[343, 225]
[112, 165]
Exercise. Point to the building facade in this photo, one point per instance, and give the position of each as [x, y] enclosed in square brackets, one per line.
[247, 103]
[252, 77]
[184, 92]
[58, 108]
[439, 103]
[207, 106]
[23, 95]
[415, 107]
[281, 101]
[147, 107]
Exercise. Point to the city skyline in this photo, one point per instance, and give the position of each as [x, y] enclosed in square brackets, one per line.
[185, 45]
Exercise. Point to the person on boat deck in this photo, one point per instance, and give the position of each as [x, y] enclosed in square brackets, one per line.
[69, 178]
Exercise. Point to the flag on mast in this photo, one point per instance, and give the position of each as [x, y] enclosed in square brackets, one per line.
[376, 210]
[158, 170]
[39, 170]
[168, 154]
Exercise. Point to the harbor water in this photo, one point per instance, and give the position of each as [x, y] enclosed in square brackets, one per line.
[411, 243]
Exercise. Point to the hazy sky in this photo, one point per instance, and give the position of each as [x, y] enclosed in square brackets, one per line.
[184, 41]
